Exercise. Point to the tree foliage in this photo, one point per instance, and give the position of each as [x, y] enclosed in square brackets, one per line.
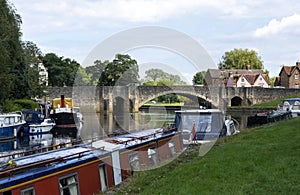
[157, 76]
[11, 64]
[95, 71]
[198, 78]
[62, 71]
[240, 58]
[121, 71]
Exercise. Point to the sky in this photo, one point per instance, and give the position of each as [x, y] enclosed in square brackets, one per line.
[74, 28]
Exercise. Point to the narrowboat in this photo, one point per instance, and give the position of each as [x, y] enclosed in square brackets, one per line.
[65, 119]
[268, 117]
[91, 167]
[291, 104]
[204, 125]
[36, 123]
[10, 125]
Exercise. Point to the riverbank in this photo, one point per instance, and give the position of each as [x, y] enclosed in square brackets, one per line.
[263, 160]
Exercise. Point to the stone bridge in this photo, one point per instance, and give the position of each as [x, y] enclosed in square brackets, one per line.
[122, 98]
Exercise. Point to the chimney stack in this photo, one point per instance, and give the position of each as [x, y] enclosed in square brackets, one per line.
[248, 66]
[298, 64]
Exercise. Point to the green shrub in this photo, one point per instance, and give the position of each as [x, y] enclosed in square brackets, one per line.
[18, 105]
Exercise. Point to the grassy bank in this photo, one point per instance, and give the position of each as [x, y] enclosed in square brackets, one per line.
[274, 103]
[262, 160]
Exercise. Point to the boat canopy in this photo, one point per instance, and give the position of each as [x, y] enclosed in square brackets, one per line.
[202, 120]
[56, 102]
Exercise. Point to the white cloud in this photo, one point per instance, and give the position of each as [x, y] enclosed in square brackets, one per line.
[288, 24]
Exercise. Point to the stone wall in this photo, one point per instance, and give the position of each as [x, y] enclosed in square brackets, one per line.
[96, 97]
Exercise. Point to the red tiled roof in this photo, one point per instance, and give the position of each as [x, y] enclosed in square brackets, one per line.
[266, 77]
[251, 78]
[288, 69]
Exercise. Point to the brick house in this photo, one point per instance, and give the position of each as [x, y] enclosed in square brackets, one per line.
[289, 76]
[236, 78]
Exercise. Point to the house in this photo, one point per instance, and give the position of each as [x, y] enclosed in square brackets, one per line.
[289, 76]
[42, 70]
[253, 80]
[236, 78]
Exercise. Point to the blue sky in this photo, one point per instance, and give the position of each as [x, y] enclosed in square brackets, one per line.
[72, 28]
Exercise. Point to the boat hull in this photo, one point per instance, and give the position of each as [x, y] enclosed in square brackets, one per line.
[65, 124]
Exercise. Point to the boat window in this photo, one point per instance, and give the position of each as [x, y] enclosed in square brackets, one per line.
[103, 177]
[152, 156]
[6, 121]
[28, 191]
[134, 162]
[69, 185]
[296, 105]
[204, 126]
[7, 193]
[28, 117]
[172, 148]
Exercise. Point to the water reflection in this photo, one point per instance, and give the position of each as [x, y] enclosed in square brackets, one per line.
[101, 125]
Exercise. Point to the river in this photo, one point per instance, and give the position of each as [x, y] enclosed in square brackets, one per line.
[97, 125]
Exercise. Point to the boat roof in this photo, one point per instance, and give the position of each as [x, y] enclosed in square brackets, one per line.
[60, 159]
[135, 138]
[200, 111]
[292, 99]
[31, 112]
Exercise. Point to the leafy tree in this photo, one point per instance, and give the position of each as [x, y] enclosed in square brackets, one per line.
[240, 58]
[82, 78]
[62, 72]
[121, 71]
[155, 76]
[198, 78]
[12, 67]
[95, 71]
[31, 56]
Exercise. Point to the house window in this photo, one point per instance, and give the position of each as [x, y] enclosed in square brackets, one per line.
[243, 80]
[103, 177]
[28, 191]
[134, 162]
[296, 76]
[152, 156]
[69, 185]
[172, 148]
[297, 86]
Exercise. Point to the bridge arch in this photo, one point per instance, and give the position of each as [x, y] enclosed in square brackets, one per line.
[236, 101]
[192, 95]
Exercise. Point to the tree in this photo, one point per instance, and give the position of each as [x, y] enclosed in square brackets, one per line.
[95, 71]
[62, 72]
[198, 78]
[155, 76]
[121, 71]
[240, 58]
[32, 55]
[12, 67]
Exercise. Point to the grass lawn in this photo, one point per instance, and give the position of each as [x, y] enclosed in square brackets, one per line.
[264, 160]
[165, 104]
[274, 103]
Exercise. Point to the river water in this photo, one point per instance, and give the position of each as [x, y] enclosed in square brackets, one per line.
[98, 125]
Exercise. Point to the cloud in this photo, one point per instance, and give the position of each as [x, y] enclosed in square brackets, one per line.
[288, 24]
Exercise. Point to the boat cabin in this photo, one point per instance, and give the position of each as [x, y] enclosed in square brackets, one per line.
[204, 124]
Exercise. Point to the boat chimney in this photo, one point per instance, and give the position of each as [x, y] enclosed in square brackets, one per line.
[62, 101]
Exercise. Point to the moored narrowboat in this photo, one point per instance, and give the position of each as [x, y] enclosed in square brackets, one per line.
[91, 167]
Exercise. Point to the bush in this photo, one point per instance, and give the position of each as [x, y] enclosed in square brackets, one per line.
[18, 105]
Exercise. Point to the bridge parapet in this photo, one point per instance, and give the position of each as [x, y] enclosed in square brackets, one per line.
[104, 98]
